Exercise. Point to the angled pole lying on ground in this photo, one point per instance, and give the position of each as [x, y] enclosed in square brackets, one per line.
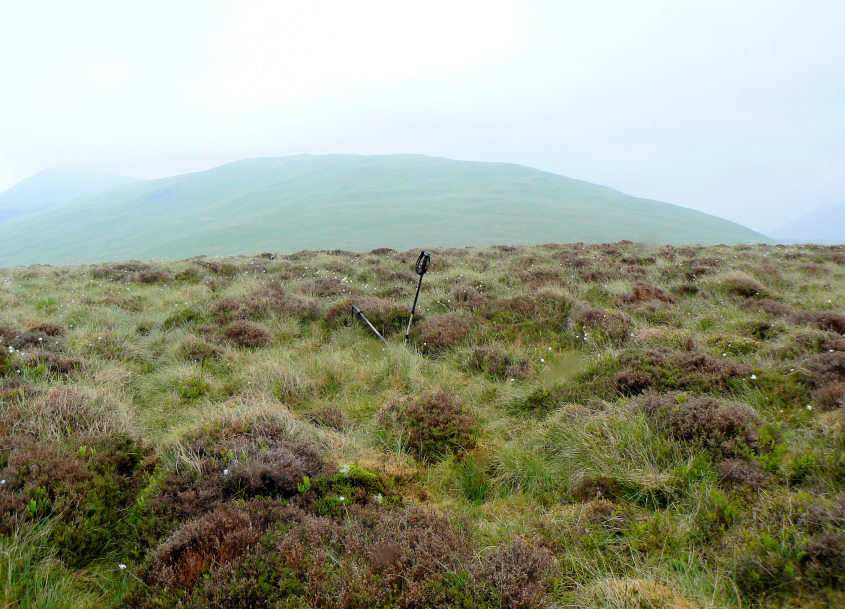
[421, 267]
[359, 313]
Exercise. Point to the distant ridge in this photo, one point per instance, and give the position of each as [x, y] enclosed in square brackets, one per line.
[350, 202]
[823, 225]
[53, 186]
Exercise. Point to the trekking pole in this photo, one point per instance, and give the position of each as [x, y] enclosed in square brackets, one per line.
[360, 313]
[421, 267]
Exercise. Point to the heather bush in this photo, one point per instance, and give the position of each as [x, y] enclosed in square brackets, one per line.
[327, 287]
[196, 349]
[439, 333]
[467, 297]
[213, 540]
[227, 310]
[739, 474]
[281, 302]
[830, 397]
[726, 429]
[825, 368]
[434, 424]
[616, 325]
[154, 276]
[519, 572]
[645, 291]
[49, 328]
[826, 320]
[54, 362]
[39, 340]
[665, 369]
[498, 364]
[247, 334]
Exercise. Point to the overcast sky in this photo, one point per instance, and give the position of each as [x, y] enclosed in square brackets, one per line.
[736, 108]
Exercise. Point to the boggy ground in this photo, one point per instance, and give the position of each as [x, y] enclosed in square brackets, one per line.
[573, 426]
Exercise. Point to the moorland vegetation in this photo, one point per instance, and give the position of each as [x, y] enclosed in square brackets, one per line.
[573, 425]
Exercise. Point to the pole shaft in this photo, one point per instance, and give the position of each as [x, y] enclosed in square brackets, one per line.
[413, 310]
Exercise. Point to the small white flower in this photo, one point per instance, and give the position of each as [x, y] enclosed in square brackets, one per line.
[2, 482]
[225, 472]
[379, 498]
[342, 498]
[121, 566]
[724, 354]
[344, 469]
[753, 377]
[40, 339]
[809, 407]
[542, 360]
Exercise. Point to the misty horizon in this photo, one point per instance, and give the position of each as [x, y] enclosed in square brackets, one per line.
[733, 110]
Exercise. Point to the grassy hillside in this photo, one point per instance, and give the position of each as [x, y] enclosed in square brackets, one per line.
[52, 187]
[572, 426]
[350, 202]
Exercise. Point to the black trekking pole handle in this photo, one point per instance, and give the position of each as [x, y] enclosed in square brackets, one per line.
[360, 313]
[420, 267]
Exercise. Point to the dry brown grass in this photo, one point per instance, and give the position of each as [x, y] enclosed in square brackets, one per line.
[68, 411]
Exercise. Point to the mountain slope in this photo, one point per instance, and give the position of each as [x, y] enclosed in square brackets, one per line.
[823, 225]
[53, 186]
[349, 202]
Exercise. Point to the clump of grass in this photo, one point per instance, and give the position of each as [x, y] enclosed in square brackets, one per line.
[740, 284]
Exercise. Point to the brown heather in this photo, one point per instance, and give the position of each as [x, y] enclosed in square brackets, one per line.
[247, 334]
[442, 332]
[616, 325]
[723, 428]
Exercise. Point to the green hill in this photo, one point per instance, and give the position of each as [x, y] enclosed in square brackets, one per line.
[349, 202]
[52, 187]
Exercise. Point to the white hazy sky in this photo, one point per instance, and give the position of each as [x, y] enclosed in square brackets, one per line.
[736, 107]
